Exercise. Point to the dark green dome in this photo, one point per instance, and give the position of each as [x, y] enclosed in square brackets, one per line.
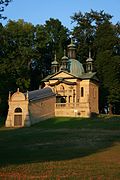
[75, 67]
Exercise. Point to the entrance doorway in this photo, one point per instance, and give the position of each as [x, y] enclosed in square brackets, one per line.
[18, 117]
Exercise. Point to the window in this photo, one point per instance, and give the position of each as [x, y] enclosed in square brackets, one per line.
[62, 88]
[73, 95]
[18, 110]
[82, 91]
[69, 100]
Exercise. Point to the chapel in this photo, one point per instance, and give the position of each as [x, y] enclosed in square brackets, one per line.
[69, 91]
[76, 88]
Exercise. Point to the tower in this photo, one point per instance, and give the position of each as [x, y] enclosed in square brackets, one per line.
[64, 61]
[89, 63]
[71, 50]
[54, 65]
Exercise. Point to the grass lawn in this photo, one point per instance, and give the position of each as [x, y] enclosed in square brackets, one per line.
[62, 148]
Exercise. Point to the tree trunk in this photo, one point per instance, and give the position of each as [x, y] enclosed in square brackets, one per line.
[110, 109]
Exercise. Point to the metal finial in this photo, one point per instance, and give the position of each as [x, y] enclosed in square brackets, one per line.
[71, 40]
[55, 57]
[17, 89]
[89, 53]
[64, 52]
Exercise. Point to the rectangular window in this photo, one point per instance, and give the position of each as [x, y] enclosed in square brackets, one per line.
[82, 91]
[69, 100]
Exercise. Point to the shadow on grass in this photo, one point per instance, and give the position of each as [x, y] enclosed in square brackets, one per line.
[58, 139]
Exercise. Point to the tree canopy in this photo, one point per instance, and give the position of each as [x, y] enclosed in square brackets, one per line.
[3, 4]
[95, 31]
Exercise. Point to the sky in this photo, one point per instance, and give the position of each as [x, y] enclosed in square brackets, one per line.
[38, 11]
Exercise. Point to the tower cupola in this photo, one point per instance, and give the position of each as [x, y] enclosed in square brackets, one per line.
[72, 50]
[54, 65]
[64, 61]
[89, 63]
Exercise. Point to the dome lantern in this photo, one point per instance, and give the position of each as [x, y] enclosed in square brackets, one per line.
[89, 63]
[72, 50]
[54, 65]
[64, 61]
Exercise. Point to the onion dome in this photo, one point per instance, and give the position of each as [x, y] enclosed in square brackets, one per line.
[55, 61]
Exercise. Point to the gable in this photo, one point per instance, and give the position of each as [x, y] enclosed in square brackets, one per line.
[62, 75]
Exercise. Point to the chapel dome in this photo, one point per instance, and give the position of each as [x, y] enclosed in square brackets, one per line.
[75, 67]
[18, 96]
[55, 61]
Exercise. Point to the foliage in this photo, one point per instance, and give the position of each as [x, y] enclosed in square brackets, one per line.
[94, 31]
[85, 30]
[16, 52]
[108, 63]
[3, 4]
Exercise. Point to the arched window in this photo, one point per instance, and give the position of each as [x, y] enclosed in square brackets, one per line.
[62, 88]
[69, 99]
[82, 91]
[18, 110]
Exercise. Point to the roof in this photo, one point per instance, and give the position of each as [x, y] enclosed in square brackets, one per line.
[18, 96]
[54, 62]
[40, 94]
[50, 76]
[90, 75]
[75, 67]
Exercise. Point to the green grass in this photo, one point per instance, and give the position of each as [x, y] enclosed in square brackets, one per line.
[62, 148]
[101, 122]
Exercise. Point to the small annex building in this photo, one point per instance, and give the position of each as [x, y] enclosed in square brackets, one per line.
[70, 90]
[31, 107]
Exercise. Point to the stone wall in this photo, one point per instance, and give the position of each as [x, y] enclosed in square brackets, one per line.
[42, 109]
[93, 98]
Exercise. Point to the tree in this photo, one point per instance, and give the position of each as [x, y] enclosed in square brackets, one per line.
[3, 4]
[50, 38]
[58, 36]
[108, 64]
[16, 52]
[85, 31]
[94, 30]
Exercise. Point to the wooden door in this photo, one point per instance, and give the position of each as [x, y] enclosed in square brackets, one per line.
[18, 120]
